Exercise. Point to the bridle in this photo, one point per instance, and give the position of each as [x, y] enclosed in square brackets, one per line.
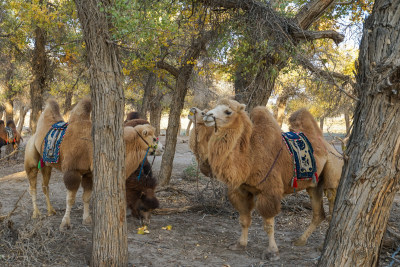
[147, 151]
[272, 166]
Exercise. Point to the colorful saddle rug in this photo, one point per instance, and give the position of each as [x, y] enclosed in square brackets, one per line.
[52, 142]
[303, 157]
[10, 135]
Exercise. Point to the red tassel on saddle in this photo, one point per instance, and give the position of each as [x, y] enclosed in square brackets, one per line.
[294, 183]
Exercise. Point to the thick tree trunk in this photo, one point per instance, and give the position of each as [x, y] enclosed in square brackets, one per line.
[39, 71]
[109, 246]
[148, 91]
[9, 109]
[370, 178]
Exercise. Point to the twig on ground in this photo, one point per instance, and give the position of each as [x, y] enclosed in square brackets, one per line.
[3, 217]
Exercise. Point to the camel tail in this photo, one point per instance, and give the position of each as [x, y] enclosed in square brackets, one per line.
[81, 111]
[303, 121]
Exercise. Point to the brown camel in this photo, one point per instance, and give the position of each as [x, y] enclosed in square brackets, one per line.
[76, 159]
[199, 146]
[9, 133]
[252, 159]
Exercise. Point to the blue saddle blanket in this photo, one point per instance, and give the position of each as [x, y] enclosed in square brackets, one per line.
[303, 157]
[52, 142]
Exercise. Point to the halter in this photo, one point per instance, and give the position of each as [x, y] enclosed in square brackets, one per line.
[272, 166]
[215, 124]
[147, 151]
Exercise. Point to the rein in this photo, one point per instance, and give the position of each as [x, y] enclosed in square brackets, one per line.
[144, 140]
[215, 124]
[141, 167]
[272, 166]
[147, 151]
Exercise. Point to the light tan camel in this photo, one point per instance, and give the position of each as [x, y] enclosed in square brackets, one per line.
[251, 158]
[203, 133]
[76, 159]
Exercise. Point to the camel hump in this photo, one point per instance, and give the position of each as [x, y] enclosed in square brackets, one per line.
[52, 111]
[303, 121]
[82, 110]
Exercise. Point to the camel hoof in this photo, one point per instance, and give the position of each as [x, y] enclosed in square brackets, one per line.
[272, 256]
[300, 242]
[65, 224]
[87, 220]
[237, 247]
[36, 214]
[51, 212]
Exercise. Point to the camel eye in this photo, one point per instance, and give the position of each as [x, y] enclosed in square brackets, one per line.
[227, 112]
[203, 113]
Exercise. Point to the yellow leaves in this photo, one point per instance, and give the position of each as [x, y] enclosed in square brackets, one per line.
[125, 71]
[168, 228]
[143, 230]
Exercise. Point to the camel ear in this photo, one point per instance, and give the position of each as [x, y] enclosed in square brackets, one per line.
[144, 132]
[242, 107]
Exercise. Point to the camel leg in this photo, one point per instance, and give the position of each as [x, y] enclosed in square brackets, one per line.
[272, 252]
[330, 193]
[32, 176]
[87, 184]
[317, 217]
[46, 173]
[243, 202]
[72, 180]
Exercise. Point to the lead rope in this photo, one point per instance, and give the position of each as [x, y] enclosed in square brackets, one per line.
[141, 167]
[196, 147]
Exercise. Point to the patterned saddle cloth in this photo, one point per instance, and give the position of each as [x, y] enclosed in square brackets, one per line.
[303, 157]
[52, 142]
[10, 135]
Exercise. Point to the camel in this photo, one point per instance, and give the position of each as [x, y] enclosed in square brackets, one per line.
[199, 146]
[249, 155]
[9, 133]
[76, 159]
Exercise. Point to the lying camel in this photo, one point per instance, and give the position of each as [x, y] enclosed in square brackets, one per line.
[76, 159]
[252, 159]
[199, 146]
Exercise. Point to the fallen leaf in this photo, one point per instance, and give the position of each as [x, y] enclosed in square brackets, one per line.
[168, 227]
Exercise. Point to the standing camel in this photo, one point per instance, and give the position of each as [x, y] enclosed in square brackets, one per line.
[250, 156]
[76, 155]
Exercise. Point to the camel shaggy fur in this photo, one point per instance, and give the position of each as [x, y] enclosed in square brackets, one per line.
[76, 155]
[248, 154]
[3, 133]
[199, 146]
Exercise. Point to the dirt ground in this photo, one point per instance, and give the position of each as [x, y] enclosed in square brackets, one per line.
[203, 224]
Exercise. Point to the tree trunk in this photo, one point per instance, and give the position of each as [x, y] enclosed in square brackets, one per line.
[148, 91]
[178, 99]
[22, 114]
[68, 101]
[370, 177]
[39, 71]
[155, 112]
[109, 247]
[321, 123]
[347, 120]
[280, 108]
[188, 128]
[9, 110]
[255, 91]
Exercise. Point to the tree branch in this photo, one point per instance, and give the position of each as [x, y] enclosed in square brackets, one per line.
[311, 35]
[311, 12]
[168, 67]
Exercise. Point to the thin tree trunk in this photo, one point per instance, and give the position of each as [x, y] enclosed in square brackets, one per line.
[9, 109]
[280, 108]
[39, 71]
[148, 91]
[109, 246]
[321, 123]
[188, 128]
[370, 177]
[68, 101]
[347, 120]
[22, 114]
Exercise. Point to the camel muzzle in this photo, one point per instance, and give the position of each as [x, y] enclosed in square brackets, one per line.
[209, 120]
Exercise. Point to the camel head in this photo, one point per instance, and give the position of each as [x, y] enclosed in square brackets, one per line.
[224, 113]
[146, 137]
[196, 115]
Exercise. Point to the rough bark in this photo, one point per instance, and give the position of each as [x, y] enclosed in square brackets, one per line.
[109, 247]
[39, 72]
[347, 121]
[155, 111]
[148, 91]
[370, 177]
[182, 76]
[68, 101]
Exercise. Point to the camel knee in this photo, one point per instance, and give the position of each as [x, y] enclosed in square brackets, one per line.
[72, 180]
[245, 220]
[87, 181]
